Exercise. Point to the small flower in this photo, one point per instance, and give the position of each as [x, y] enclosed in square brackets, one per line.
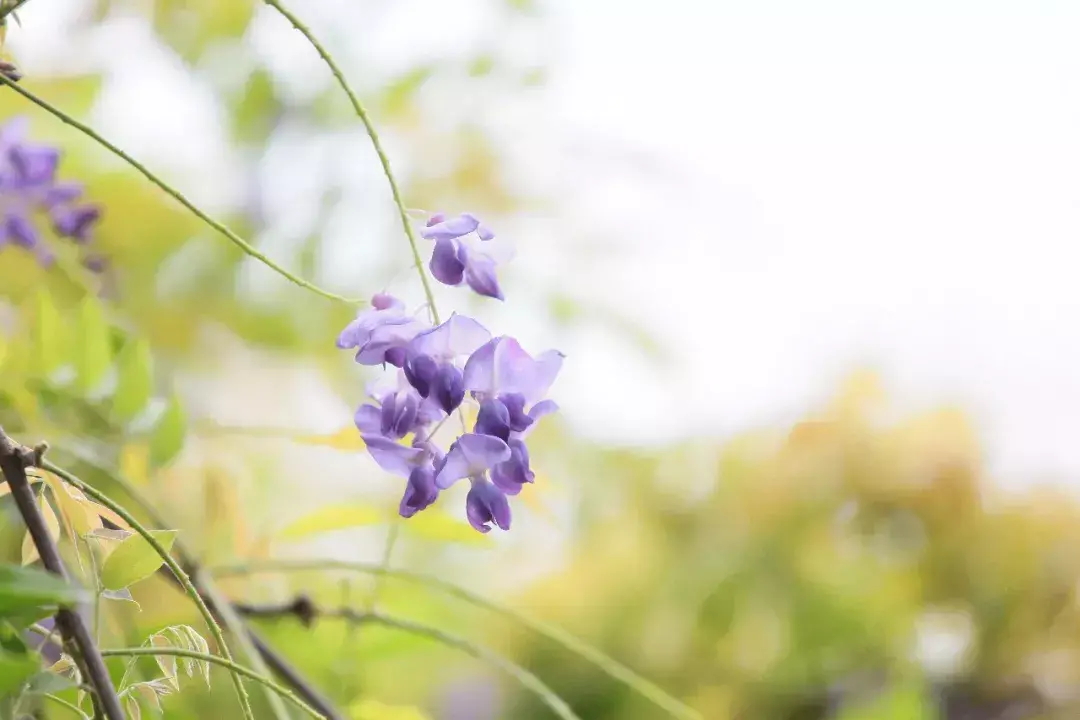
[486, 504]
[510, 475]
[453, 261]
[381, 333]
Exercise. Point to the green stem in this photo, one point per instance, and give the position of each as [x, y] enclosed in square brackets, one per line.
[233, 668]
[523, 676]
[69, 705]
[178, 571]
[613, 668]
[361, 113]
[174, 193]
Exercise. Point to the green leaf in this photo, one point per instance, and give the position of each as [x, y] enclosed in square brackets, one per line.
[48, 337]
[93, 353]
[168, 436]
[28, 588]
[335, 517]
[15, 669]
[906, 701]
[134, 559]
[50, 682]
[135, 381]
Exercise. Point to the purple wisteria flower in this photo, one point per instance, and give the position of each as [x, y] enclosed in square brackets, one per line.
[30, 192]
[441, 368]
[381, 333]
[453, 260]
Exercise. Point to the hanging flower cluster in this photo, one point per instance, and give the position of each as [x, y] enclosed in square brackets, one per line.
[31, 193]
[440, 368]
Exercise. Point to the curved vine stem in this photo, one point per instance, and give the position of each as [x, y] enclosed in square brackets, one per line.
[520, 674]
[613, 668]
[244, 245]
[178, 571]
[362, 113]
[233, 668]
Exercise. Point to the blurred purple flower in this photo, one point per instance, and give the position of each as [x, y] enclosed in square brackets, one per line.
[453, 260]
[28, 188]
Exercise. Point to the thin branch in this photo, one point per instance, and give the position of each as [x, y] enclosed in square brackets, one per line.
[307, 612]
[217, 604]
[244, 245]
[361, 113]
[14, 460]
[217, 660]
[181, 576]
[613, 668]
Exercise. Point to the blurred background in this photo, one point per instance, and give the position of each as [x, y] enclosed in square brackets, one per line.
[812, 266]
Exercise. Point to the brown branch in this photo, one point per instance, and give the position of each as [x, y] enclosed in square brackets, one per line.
[14, 460]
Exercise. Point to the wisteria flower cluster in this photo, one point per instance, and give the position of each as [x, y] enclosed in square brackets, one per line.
[438, 370]
[30, 192]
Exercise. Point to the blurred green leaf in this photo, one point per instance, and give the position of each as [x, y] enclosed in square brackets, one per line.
[28, 588]
[93, 352]
[375, 710]
[336, 517]
[48, 334]
[439, 526]
[134, 559]
[254, 113]
[168, 436]
[15, 669]
[135, 380]
[902, 702]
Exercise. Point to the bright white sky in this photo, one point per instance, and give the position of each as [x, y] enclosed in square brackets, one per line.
[793, 189]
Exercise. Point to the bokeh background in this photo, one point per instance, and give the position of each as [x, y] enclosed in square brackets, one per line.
[812, 266]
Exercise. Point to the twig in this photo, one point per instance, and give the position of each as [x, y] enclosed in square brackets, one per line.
[305, 610]
[14, 460]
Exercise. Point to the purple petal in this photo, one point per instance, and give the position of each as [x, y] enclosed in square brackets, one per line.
[485, 233]
[34, 165]
[471, 455]
[17, 227]
[75, 222]
[517, 419]
[393, 457]
[368, 419]
[486, 504]
[445, 264]
[539, 410]
[420, 492]
[503, 367]
[420, 370]
[385, 338]
[61, 193]
[493, 419]
[451, 229]
[436, 219]
[459, 335]
[480, 275]
[511, 475]
[447, 388]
